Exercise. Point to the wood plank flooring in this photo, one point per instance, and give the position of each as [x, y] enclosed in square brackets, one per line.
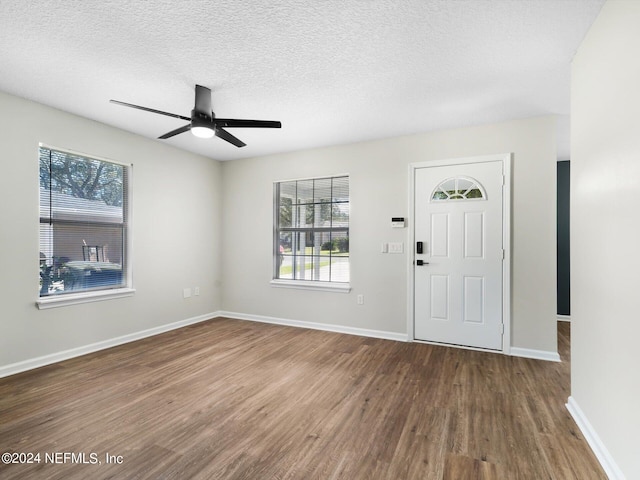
[230, 399]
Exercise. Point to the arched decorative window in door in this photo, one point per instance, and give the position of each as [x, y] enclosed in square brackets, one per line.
[458, 188]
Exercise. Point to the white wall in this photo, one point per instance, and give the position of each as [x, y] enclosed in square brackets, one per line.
[605, 231]
[379, 190]
[176, 229]
[201, 223]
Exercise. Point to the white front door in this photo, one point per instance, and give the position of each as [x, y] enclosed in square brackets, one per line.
[458, 276]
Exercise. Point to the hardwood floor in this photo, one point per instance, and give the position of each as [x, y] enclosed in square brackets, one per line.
[230, 399]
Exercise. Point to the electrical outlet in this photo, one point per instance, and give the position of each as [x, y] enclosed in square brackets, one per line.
[186, 293]
[196, 291]
[360, 299]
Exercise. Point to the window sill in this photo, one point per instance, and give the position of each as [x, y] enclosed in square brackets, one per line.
[309, 285]
[86, 297]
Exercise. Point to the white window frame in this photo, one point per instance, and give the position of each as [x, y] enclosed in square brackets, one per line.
[104, 294]
[326, 286]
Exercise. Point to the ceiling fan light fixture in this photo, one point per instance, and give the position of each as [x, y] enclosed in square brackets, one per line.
[203, 132]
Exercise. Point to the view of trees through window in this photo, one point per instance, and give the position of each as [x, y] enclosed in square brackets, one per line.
[82, 177]
[312, 229]
[82, 223]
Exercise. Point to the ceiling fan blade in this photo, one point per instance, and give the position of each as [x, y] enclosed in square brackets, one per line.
[152, 110]
[203, 100]
[236, 123]
[175, 132]
[224, 135]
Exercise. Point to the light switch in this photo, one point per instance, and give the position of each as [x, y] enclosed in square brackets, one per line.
[384, 248]
[396, 247]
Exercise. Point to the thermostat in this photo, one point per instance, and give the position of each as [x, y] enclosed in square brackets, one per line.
[397, 222]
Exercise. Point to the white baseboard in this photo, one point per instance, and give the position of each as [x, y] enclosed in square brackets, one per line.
[32, 363]
[564, 318]
[602, 454]
[536, 354]
[363, 332]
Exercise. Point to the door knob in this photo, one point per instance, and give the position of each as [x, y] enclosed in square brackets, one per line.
[421, 263]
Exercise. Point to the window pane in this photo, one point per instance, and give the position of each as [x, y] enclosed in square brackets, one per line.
[464, 185]
[79, 257]
[87, 187]
[321, 243]
[305, 191]
[303, 267]
[322, 190]
[340, 215]
[340, 191]
[286, 214]
[319, 268]
[288, 190]
[439, 195]
[285, 241]
[448, 186]
[474, 193]
[284, 256]
[304, 215]
[340, 242]
[299, 243]
[72, 186]
[340, 269]
[327, 245]
[323, 214]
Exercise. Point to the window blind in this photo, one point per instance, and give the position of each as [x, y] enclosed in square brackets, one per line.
[83, 223]
[312, 229]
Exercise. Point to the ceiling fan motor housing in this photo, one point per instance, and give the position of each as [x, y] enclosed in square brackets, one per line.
[199, 119]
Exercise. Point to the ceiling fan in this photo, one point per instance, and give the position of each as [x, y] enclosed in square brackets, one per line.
[203, 122]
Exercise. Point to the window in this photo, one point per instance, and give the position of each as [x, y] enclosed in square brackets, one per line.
[312, 230]
[458, 188]
[83, 224]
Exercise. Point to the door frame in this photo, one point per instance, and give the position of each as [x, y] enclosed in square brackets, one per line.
[506, 159]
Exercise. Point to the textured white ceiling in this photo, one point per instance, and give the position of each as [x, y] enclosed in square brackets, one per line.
[333, 71]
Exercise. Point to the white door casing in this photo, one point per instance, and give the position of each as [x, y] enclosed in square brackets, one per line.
[458, 292]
